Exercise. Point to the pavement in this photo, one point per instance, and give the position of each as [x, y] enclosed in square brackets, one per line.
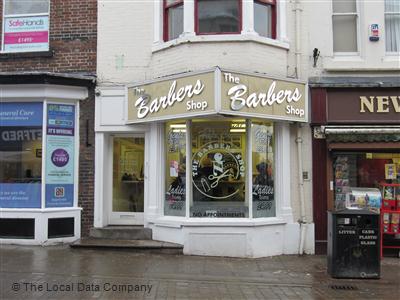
[59, 272]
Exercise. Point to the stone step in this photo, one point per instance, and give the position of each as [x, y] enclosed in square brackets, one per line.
[148, 246]
[122, 233]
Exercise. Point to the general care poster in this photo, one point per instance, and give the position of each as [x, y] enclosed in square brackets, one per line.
[20, 122]
[60, 148]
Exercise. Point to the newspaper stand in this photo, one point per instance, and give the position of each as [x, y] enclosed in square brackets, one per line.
[390, 213]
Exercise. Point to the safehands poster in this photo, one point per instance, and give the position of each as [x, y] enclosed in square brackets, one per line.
[23, 34]
[60, 148]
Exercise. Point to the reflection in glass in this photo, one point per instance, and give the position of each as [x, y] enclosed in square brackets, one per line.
[263, 19]
[218, 169]
[128, 178]
[14, 7]
[175, 22]
[175, 195]
[345, 33]
[263, 169]
[218, 16]
[21, 154]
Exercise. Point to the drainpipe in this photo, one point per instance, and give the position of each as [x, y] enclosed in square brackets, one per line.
[303, 220]
[299, 139]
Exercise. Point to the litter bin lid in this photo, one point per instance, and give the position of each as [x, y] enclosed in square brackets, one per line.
[354, 212]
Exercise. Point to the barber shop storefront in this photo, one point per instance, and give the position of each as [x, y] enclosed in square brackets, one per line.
[203, 159]
[356, 155]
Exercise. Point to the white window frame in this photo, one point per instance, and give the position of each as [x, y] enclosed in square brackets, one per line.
[22, 15]
[385, 13]
[358, 41]
[281, 207]
[247, 33]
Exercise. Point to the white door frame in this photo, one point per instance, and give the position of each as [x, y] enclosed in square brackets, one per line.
[125, 218]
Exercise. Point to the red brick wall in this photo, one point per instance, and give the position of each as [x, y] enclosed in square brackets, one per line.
[73, 36]
[73, 40]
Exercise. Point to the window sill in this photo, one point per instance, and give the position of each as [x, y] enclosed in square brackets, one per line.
[186, 39]
[392, 57]
[38, 210]
[14, 55]
[178, 222]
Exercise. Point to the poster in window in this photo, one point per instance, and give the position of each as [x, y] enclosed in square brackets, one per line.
[390, 171]
[60, 152]
[26, 34]
[20, 137]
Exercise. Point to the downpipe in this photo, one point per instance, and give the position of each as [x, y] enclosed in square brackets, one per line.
[302, 221]
[299, 138]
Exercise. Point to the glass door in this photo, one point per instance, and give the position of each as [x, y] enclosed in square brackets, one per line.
[127, 203]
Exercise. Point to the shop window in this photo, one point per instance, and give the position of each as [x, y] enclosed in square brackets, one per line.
[219, 169]
[21, 155]
[173, 19]
[344, 23]
[265, 18]
[263, 169]
[218, 16]
[25, 26]
[392, 25]
[363, 172]
[175, 195]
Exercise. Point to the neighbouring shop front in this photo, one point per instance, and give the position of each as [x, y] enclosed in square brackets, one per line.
[204, 160]
[356, 155]
[39, 142]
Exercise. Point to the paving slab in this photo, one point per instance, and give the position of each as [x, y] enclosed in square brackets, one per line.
[59, 272]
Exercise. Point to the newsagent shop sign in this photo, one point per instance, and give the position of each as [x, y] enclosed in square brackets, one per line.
[218, 92]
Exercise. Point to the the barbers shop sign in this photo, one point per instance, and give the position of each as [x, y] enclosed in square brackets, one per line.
[218, 92]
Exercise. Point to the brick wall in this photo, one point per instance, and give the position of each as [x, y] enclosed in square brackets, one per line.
[73, 41]
[73, 36]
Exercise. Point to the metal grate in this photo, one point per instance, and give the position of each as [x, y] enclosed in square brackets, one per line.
[344, 287]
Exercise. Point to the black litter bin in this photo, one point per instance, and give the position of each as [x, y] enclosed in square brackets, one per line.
[354, 244]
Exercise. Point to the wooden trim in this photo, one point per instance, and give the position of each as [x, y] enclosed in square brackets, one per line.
[271, 3]
[165, 16]
[196, 20]
[364, 146]
[319, 106]
[330, 205]
[176, 3]
[319, 188]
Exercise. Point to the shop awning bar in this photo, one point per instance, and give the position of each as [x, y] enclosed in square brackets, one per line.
[331, 130]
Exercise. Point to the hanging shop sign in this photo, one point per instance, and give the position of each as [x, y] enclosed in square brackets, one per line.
[60, 148]
[20, 125]
[256, 96]
[218, 92]
[177, 98]
[364, 105]
[25, 34]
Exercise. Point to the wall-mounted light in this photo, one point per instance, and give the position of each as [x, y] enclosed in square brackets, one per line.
[316, 53]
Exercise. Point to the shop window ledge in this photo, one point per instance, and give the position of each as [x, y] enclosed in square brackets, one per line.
[5, 55]
[177, 222]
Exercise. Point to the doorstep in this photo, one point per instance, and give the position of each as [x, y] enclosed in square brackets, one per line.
[148, 246]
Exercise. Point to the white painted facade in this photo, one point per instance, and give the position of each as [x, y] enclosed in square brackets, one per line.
[131, 51]
[46, 94]
[371, 58]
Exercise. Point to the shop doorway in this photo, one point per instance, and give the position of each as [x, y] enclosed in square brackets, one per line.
[128, 186]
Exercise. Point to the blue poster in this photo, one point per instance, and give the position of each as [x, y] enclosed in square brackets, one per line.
[20, 122]
[20, 195]
[60, 150]
[21, 114]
